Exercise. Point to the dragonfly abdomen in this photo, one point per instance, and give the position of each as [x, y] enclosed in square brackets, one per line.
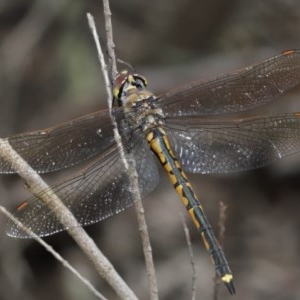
[160, 145]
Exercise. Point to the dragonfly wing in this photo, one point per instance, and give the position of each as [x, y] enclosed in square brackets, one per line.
[102, 190]
[237, 145]
[63, 145]
[252, 86]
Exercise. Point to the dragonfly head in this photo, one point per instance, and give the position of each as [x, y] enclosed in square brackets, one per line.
[126, 81]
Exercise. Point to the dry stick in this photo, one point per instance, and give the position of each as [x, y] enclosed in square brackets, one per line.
[109, 38]
[221, 225]
[88, 246]
[192, 258]
[130, 167]
[143, 229]
[54, 253]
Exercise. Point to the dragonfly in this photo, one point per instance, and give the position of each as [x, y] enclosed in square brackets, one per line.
[183, 130]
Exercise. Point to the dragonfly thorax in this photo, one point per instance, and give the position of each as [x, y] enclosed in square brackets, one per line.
[141, 109]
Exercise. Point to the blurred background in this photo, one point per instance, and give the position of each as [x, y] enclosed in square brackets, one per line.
[49, 73]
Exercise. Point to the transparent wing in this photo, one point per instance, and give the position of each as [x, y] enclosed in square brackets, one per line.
[219, 147]
[252, 86]
[102, 190]
[63, 145]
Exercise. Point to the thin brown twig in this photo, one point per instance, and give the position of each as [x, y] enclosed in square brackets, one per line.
[109, 38]
[36, 186]
[64, 262]
[143, 228]
[221, 236]
[128, 160]
[192, 258]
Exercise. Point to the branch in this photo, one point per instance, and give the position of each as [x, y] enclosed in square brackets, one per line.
[54, 253]
[36, 185]
[109, 38]
[128, 160]
[192, 258]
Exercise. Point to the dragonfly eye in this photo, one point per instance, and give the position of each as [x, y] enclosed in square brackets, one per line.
[119, 83]
[139, 81]
[125, 80]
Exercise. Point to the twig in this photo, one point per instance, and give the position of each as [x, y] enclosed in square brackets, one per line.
[147, 249]
[54, 253]
[109, 38]
[221, 235]
[127, 159]
[88, 246]
[192, 258]
[101, 59]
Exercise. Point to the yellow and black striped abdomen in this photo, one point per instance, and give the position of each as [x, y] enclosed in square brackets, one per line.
[160, 145]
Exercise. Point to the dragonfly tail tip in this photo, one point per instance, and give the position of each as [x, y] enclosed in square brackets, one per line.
[228, 280]
[230, 287]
